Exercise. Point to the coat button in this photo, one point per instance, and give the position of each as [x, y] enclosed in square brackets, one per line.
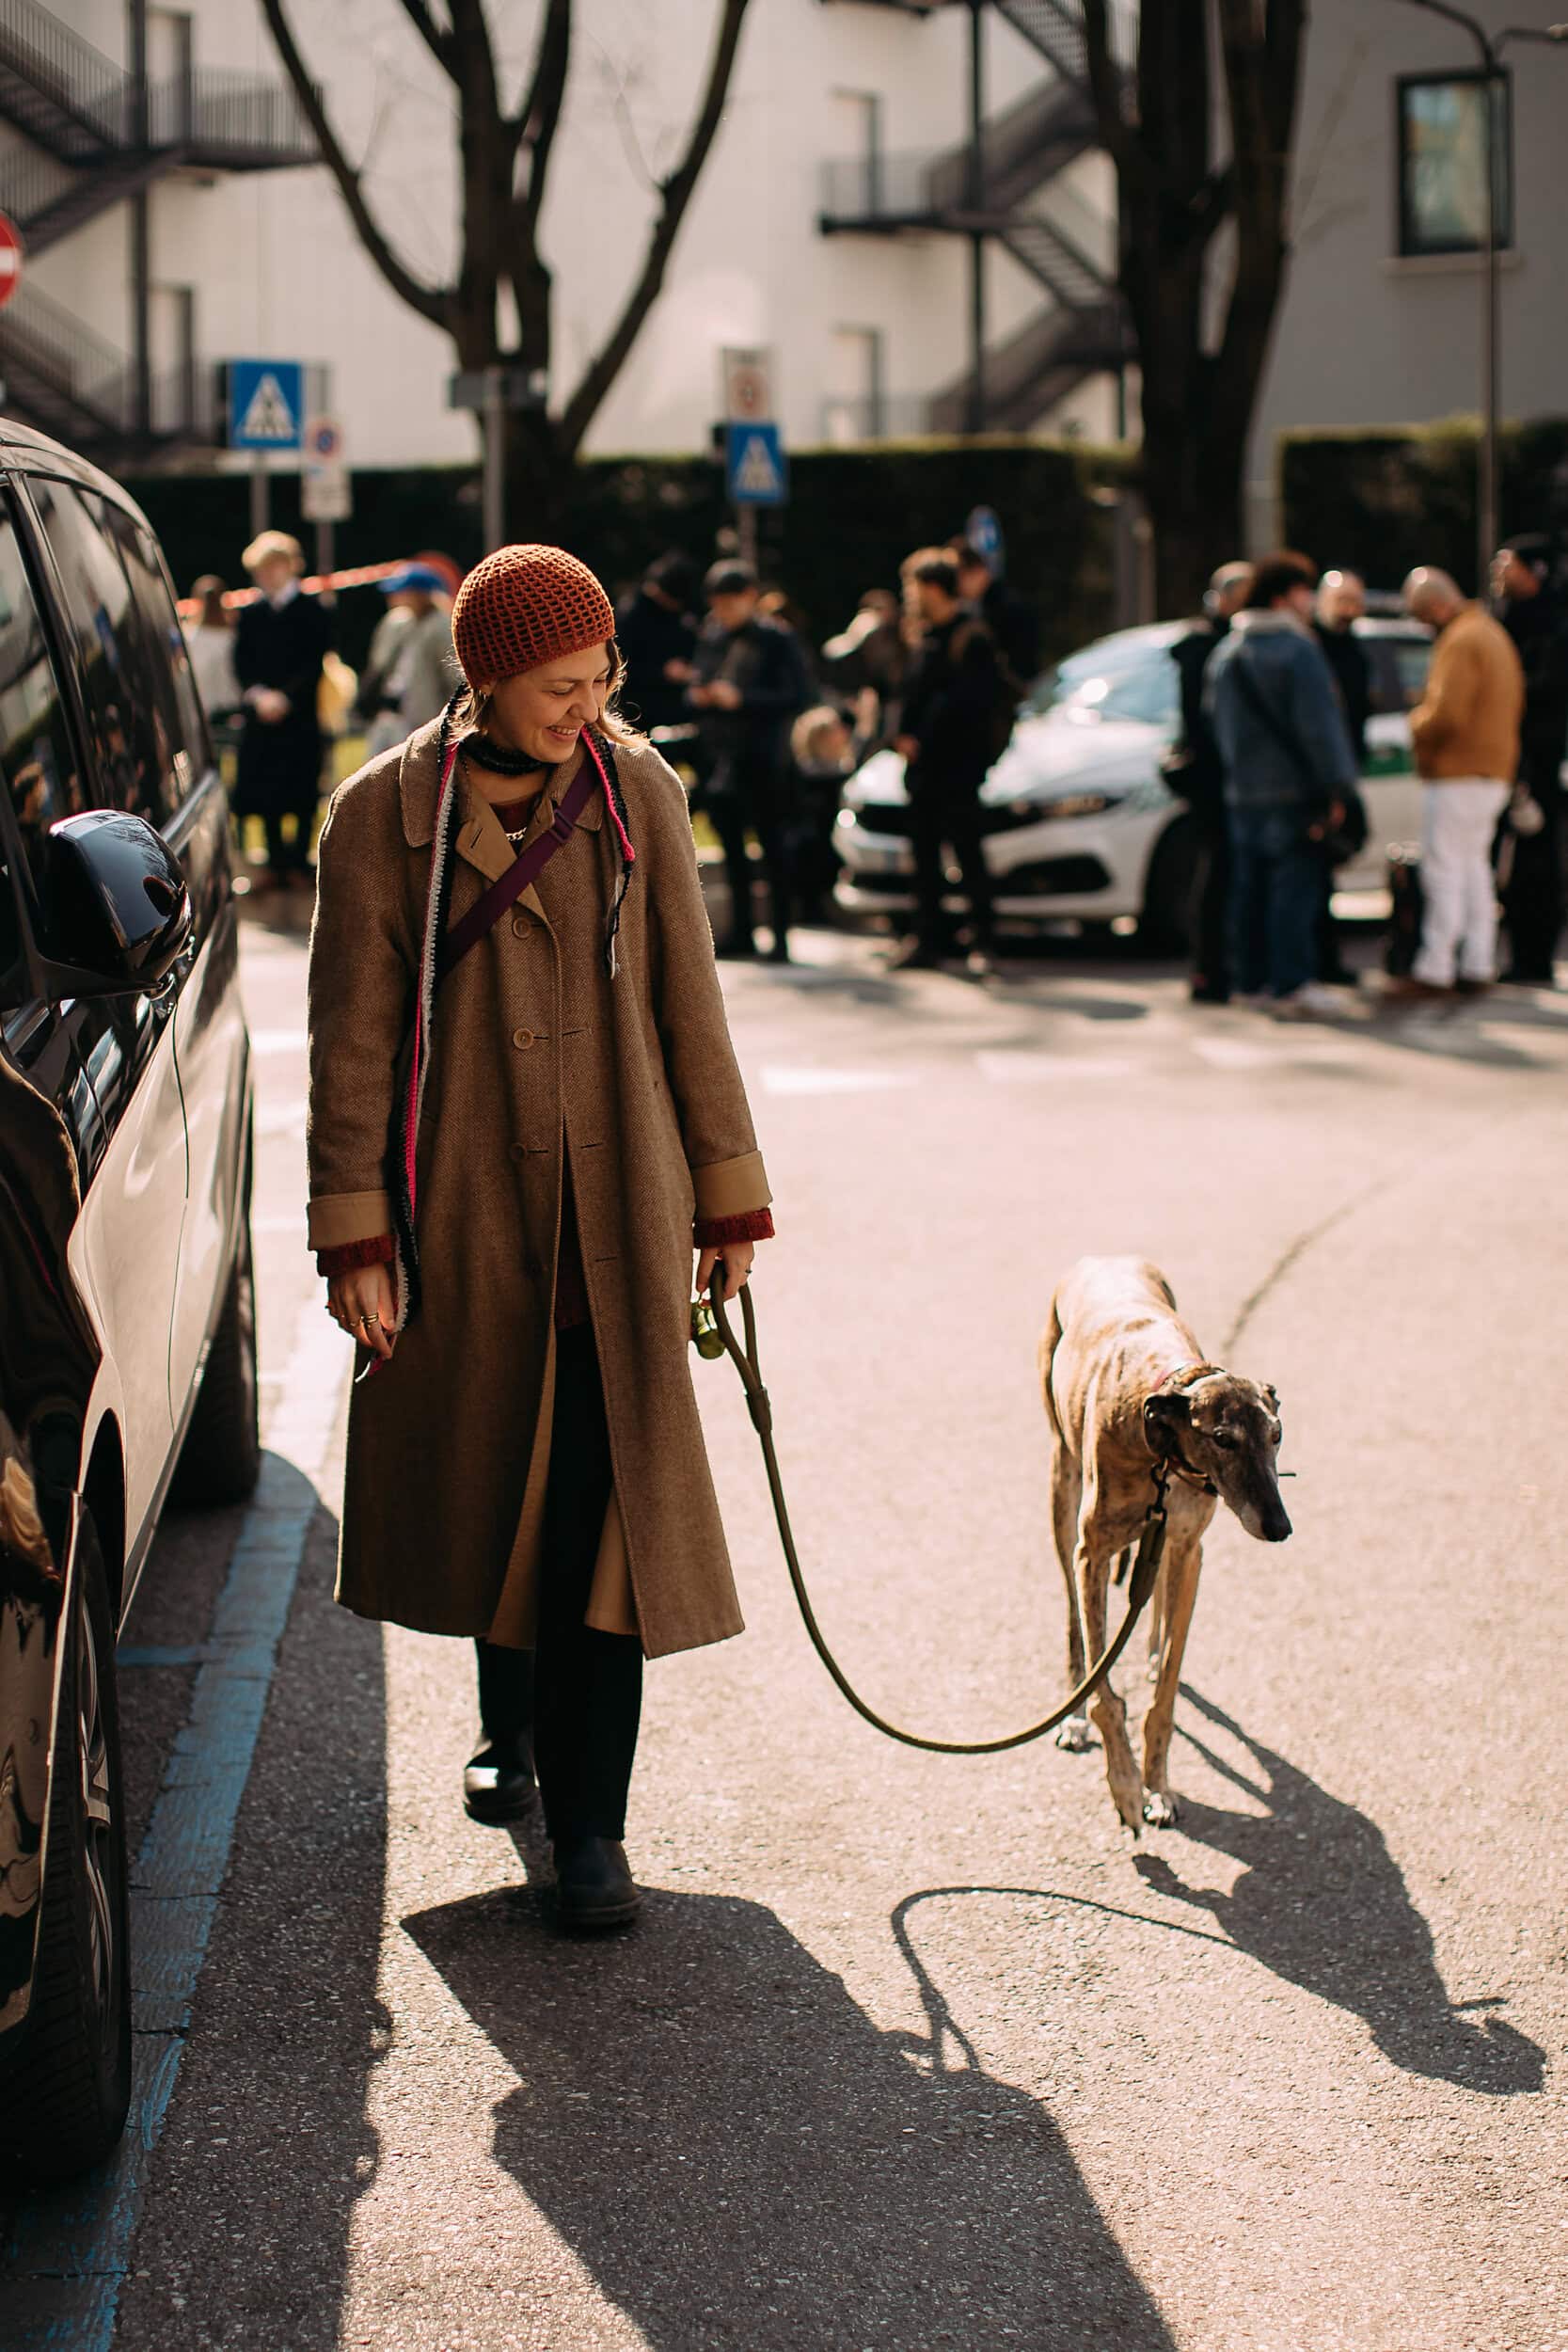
[517, 1152]
[520, 927]
[522, 1038]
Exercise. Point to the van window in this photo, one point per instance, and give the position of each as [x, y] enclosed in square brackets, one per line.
[168, 664]
[133, 762]
[35, 750]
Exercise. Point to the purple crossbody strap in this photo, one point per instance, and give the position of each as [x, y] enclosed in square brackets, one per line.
[525, 867]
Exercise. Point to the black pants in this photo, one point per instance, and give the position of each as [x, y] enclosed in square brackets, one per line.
[1533, 902]
[936, 821]
[740, 802]
[579, 1693]
[1211, 917]
[285, 856]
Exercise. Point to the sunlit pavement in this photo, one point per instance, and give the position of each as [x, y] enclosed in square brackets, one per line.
[906, 2051]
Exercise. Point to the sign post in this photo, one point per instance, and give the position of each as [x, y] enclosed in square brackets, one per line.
[756, 469]
[11, 258]
[266, 411]
[326, 494]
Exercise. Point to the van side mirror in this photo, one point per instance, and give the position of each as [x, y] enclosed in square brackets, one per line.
[117, 912]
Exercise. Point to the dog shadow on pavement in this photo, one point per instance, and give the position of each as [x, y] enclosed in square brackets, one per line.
[1322, 1904]
[739, 2155]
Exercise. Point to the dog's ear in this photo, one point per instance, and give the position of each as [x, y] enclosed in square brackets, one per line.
[1165, 1416]
[1273, 1395]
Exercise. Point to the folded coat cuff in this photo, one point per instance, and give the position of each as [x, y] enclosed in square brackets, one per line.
[730, 1187]
[341, 1216]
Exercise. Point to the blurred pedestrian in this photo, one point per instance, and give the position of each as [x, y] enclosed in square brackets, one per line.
[748, 684]
[825, 751]
[953, 707]
[210, 640]
[1014, 624]
[1288, 767]
[1531, 610]
[281, 642]
[525, 1463]
[1466, 735]
[658, 636]
[1342, 602]
[1195, 772]
[866, 665]
[411, 673]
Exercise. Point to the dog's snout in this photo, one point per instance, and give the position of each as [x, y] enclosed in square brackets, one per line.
[1275, 1525]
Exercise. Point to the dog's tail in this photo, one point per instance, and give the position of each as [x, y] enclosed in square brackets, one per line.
[1049, 1343]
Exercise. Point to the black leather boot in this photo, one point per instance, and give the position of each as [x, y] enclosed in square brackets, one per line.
[499, 1785]
[595, 1887]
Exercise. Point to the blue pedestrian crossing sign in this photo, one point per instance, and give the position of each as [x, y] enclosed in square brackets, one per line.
[266, 404]
[757, 468]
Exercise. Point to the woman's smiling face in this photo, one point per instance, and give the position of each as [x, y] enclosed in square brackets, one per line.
[545, 710]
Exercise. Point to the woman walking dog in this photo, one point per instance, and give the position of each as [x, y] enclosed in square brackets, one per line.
[525, 1113]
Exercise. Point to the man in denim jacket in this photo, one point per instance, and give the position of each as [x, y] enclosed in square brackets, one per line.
[1288, 765]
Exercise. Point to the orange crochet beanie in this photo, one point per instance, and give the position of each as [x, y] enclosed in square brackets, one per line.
[523, 606]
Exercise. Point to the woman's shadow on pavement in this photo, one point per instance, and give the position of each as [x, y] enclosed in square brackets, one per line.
[1322, 1903]
[739, 2155]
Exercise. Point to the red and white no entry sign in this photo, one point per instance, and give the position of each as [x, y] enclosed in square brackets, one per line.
[10, 259]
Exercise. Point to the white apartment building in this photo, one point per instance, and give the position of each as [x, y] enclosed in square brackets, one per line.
[156, 163]
[839, 109]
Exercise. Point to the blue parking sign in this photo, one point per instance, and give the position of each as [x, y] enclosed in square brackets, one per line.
[757, 467]
[266, 404]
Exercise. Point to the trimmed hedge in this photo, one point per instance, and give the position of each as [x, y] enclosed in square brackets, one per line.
[852, 517]
[1382, 502]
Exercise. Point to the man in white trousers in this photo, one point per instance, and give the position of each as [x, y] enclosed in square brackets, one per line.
[1466, 735]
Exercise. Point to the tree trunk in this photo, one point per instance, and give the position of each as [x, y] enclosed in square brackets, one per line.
[541, 480]
[1195, 511]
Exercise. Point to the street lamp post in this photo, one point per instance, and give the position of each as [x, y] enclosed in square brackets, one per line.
[1491, 48]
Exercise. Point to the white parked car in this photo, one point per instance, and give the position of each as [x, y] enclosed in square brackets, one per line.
[1084, 826]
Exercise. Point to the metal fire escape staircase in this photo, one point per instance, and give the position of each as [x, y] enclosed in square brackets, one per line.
[96, 136]
[1023, 151]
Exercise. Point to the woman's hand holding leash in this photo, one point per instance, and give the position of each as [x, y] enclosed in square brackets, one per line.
[363, 1302]
[737, 1257]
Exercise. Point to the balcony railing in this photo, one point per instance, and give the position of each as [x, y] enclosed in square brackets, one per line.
[78, 364]
[879, 187]
[214, 113]
[69, 71]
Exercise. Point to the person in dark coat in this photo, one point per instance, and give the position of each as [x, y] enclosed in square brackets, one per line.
[657, 637]
[281, 642]
[1195, 773]
[750, 684]
[949, 723]
[1014, 624]
[1531, 610]
[1341, 602]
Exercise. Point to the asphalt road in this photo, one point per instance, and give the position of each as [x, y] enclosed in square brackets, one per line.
[909, 2052]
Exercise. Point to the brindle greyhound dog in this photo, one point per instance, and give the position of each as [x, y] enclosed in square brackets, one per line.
[1126, 1390]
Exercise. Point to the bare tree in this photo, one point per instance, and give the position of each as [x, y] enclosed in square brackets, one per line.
[1202, 333]
[505, 161]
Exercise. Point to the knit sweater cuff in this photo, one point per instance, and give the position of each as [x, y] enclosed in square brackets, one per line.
[349, 1256]
[712, 1233]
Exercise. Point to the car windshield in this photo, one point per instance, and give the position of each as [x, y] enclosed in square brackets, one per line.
[1111, 681]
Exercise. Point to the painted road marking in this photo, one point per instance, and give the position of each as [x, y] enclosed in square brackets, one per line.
[812, 1080]
[1027, 1068]
[63, 2268]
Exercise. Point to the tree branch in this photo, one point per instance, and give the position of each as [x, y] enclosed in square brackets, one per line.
[540, 114]
[430, 301]
[435, 37]
[678, 189]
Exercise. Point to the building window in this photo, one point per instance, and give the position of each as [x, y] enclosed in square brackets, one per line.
[1442, 152]
[853, 409]
[854, 189]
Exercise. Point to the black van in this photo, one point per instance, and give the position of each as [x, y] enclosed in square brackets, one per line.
[127, 1319]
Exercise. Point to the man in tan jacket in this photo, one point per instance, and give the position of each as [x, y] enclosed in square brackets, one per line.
[1466, 734]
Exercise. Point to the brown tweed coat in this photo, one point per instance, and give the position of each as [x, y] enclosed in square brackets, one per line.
[535, 1050]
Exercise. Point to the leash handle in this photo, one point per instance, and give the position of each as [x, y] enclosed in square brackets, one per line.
[1145, 1567]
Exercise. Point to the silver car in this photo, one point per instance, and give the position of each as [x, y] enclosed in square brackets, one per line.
[1083, 827]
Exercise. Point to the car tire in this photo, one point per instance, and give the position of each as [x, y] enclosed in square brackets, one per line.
[66, 2099]
[221, 1458]
[1166, 925]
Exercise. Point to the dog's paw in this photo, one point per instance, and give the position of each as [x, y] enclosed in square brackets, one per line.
[1074, 1735]
[1160, 1810]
